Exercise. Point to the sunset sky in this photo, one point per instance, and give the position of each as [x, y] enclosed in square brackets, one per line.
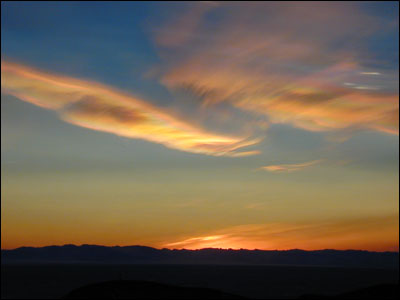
[200, 124]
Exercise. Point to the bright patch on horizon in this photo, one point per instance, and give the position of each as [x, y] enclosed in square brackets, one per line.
[375, 233]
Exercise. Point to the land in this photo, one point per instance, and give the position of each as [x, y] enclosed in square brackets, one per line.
[148, 255]
[53, 272]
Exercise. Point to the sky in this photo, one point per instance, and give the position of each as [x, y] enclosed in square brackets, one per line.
[191, 125]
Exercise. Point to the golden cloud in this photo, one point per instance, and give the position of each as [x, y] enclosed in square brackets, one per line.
[290, 167]
[271, 59]
[99, 107]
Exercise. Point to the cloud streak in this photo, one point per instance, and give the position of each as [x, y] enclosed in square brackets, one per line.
[290, 167]
[370, 233]
[99, 107]
[271, 60]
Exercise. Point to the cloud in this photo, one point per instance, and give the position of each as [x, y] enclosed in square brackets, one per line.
[289, 62]
[99, 107]
[370, 73]
[290, 167]
[378, 233]
[179, 30]
[196, 240]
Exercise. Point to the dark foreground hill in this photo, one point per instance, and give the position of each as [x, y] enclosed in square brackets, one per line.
[53, 281]
[382, 291]
[129, 289]
[147, 255]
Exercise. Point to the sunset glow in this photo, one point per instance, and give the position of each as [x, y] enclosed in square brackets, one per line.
[268, 125]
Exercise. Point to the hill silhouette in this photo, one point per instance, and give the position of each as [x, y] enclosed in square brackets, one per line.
[382, 291]
[56, 280]
[148, 255]
[133, 289]
[130, 289]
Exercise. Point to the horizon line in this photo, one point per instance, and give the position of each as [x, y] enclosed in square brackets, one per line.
[235, 249]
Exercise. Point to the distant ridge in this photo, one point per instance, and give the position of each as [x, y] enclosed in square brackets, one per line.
[148, 255]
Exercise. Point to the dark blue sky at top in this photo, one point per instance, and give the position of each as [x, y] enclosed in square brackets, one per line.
[112, 42]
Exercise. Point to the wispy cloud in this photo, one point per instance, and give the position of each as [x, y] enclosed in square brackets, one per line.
[370, 73]
[99, 107]
[372, 233]
[195, 240]
[271, 60]
[290, 167]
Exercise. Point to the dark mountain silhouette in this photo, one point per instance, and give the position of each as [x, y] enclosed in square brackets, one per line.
[130, 289]
[382, 291]
[148, 255]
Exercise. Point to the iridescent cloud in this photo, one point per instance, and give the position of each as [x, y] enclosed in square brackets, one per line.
[271, 59]
[290, 167]
[99, 107]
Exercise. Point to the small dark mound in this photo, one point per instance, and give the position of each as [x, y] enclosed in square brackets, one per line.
[128, 289]
[382, 291]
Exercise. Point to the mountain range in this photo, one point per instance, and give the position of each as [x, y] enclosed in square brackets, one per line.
[147, 255]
